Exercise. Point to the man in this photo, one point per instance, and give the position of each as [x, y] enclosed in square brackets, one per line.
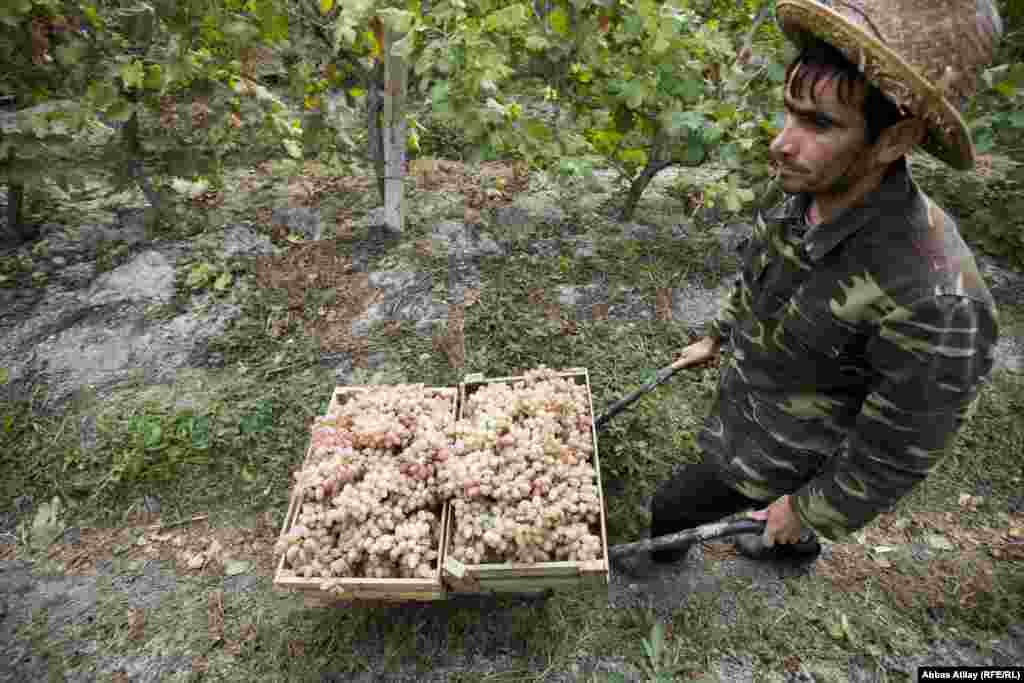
[861, 329]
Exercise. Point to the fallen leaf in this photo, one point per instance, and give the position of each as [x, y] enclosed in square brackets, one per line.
[197, 561]
[883, 563]
[296, 649]
[1017, 531]
[214, 549]
[663, 304]
[136, 623]
[119, 677]
[964, 500]
[178, 541]
[472, 296]
[200, 665]
[248, 632]
[236, 567]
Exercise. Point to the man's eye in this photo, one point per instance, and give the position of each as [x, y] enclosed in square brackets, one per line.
[821, 123]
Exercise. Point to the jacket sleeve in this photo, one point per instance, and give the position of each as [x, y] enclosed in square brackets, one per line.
[721, 326]
[931, 360]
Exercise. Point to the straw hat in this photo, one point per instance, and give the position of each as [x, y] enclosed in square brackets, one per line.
[924, 55]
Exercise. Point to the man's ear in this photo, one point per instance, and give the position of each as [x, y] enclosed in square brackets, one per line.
[899, 139]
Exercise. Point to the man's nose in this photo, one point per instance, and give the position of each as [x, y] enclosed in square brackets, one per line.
[784, 145]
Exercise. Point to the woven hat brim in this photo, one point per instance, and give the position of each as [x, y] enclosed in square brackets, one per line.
[948, 138]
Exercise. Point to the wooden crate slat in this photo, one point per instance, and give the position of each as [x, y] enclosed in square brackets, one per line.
[498, 571]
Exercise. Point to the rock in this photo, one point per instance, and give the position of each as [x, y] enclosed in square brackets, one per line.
[72, 536]
[406, 296]
[302, 221]
[23, 505]
[151, 505]
[639, 232]
[240, 240]
[87, 436]
[147, 277]
[695, 306]
[545, 248]
[529, 210]
[466, 241]
[583, 247]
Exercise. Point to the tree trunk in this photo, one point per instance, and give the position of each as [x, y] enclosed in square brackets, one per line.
[396, 71]
[746, 48]
[655, 165]
[130, 140]
[374, 112]
[639, 184]
[15, 202]
[16, 228]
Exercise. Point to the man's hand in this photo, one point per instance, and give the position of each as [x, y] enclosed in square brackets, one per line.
[698, 352]
[783, 525]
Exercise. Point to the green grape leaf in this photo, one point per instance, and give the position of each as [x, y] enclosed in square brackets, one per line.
[198, 275]
[694, 149]
[506, 19]
[637, 157]
[154, 77]
[326, 6]
[538, 130]
[133, 74]
[685, 120]
[559, 22]
[633, 94]
[222, 282]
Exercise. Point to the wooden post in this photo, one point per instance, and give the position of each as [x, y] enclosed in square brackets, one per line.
[396, 71]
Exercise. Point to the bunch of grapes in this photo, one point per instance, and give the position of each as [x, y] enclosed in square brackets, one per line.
[520, 473]
[369, 490]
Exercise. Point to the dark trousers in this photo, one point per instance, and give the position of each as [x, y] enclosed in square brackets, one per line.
[694, 496]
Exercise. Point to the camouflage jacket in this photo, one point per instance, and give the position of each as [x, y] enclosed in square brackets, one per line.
[859, 349]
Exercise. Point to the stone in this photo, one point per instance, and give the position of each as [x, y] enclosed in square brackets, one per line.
[534, 209]
[241, 240]
[302, 221]
[405, 296]
[639, 232]
[466, 241]
[147, 277]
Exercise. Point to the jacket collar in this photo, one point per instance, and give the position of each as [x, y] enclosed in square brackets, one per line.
[893, 197]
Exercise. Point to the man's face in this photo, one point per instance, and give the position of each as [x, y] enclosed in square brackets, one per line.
[822, 149]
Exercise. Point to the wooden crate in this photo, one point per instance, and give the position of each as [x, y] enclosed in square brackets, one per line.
[364, 591]
[522, 577]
